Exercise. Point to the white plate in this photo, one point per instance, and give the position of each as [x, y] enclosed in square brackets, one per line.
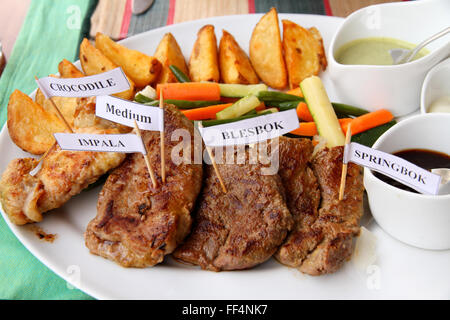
[400, 271]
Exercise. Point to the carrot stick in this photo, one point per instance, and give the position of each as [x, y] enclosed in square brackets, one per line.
[309, 129]
[369, 121]
[192, 91]
[205, 112]
[344, 124]
[296, 92]
[303, 112]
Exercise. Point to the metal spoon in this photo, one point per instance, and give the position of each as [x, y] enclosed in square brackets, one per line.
[444, 186]
[400, 56]
[140, 6]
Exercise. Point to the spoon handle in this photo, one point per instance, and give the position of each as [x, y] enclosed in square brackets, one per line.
[424, 43]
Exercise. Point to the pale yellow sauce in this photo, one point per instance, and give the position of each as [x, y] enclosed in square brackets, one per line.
[373, 51]
[440, 105]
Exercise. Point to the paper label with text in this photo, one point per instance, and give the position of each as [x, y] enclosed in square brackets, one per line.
[395, 167]
[105, 83]
[125, 112]
[251, 130]
[125, 143]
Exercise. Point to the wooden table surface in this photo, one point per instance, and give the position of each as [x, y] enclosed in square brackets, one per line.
[13, 13]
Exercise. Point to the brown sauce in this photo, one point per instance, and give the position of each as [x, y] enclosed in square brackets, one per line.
[41, 234]
[426, 159]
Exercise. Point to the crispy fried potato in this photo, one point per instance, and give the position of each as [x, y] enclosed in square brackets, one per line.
[66, 106]
[95, 62]
[235, 67]
[203, 64]
[321, 50]
[168, 53]
[303, 52]
[39, 98]
[266, 52]
[141, 68]
[30, 127]
[68, 70]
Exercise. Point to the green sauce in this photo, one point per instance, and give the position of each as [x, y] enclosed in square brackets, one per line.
[373, 51]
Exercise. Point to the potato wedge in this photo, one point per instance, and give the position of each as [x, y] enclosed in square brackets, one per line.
[66, 106]
[203, 64]
[321, 50]
[235, 67]
[30, 127]
[68, 70]
[303, 52]
[95, 62]
[141, 68]
[266, 52]
[39, 98]
[168, 53]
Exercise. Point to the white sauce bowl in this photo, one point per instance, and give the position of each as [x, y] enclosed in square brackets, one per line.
[416, 219]
[435, 85]
[396, 88]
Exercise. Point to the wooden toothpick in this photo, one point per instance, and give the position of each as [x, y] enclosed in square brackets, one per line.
[211, 156]
[147, 161]
[57, 110]
[163, 156]
[348, 135]
[68, 127]
[46, 154]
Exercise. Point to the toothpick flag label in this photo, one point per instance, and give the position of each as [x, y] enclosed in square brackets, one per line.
[251, 130]
[105, 83]
[395, 167]
[125, 143]
[125, 112]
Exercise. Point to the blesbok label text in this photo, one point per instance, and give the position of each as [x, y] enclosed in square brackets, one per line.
[251, 130]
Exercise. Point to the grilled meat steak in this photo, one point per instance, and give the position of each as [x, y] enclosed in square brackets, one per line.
[241, 228]
[303, 198]
[136, 224]
[338, 221]
[321, 239]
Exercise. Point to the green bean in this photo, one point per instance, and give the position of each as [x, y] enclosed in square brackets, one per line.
[283, 106]
[348, 110]
[369, 137]
[181, 77]
[272, 96]
[142, 99]
[342, 110]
